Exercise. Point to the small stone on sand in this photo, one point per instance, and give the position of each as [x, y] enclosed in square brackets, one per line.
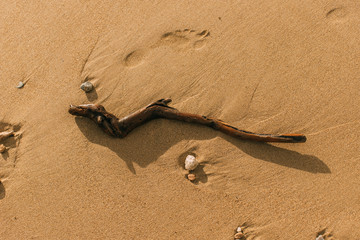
[6, 134]
[320, 237]
[86, 86]
[239, 235]
[191, 177]
[20, 85]
[238, 229]
[2, 148]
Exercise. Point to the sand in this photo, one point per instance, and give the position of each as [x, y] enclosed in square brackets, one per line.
[264, 66]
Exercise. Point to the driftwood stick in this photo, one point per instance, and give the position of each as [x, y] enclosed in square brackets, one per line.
[160, 109]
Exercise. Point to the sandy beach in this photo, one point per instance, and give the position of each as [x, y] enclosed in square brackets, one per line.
[263, 66]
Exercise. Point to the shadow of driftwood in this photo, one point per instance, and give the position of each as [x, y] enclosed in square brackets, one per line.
[154, 138]
[281, 156]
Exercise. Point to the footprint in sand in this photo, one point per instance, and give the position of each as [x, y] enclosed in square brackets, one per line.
[136, 57]
[181, 40]
[8, 156]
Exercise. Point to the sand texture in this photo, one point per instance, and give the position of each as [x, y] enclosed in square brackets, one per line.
[264, 66]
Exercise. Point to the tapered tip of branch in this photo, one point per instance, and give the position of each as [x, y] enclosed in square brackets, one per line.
[167, 100]
[295, 138]
[163, 101]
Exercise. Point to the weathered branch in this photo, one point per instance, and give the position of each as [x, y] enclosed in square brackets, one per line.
[160, 109]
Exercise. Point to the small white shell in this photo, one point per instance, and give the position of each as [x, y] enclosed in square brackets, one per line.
[20, 85]
[238, 229]
[190, 162]
[86, 86]
[320, 237]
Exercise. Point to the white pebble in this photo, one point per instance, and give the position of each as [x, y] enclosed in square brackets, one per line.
[86, 86]
[320, 237]
[238, 229]
[190, 162]
[20, 85]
